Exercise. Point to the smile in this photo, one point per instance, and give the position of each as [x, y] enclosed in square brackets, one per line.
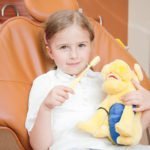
[112, 76]
[73, 64]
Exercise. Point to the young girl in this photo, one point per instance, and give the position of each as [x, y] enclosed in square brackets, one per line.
[55, 108]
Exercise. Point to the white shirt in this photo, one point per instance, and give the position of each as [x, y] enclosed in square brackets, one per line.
[79, 107]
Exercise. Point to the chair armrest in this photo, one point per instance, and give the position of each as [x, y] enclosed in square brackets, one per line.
[13, 109]
[9, 139]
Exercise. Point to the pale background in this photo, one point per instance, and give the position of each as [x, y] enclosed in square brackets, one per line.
[139, 32]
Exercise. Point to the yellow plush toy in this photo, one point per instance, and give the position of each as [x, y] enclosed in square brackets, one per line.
[113, 119]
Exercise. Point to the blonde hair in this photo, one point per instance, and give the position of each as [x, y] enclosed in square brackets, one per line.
[65, 18]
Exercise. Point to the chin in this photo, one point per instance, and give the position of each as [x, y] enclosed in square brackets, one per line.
[72, 72]
[76, 71]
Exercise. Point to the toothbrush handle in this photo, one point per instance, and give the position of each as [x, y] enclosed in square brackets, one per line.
[77, 80]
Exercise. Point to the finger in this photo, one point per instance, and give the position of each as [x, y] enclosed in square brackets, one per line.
[57, 103]
[60, 99]
[138, 109]
[137, 85]
[132, 102]
[131, 96]
[63, 94]
[67, 89]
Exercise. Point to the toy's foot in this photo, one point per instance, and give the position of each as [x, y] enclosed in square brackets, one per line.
[96, 131]
[102, 132]
[125, 140]
[135, 138]
[124, 129]
[136, 133]
[86, 127]
[129, 140]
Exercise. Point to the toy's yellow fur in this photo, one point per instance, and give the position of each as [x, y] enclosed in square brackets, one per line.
[117, 82]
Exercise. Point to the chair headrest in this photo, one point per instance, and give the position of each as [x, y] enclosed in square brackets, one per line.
[40, 9]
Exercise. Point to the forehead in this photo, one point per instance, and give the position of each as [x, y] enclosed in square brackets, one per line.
[71, 34]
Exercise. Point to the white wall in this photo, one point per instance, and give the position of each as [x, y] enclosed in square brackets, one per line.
[139, 32]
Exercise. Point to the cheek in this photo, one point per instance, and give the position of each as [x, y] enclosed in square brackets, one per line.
[59, 59]
[89, 50]
[87, 55]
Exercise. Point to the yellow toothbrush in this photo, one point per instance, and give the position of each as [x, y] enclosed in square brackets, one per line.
[77, 80]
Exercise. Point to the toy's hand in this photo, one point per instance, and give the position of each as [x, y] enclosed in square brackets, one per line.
[140, 98]
[57, 96]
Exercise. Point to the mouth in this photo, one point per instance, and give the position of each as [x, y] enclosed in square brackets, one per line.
[73, 63]
[112, 76]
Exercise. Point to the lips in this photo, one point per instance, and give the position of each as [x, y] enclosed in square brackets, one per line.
[112, 76]
[73, 63]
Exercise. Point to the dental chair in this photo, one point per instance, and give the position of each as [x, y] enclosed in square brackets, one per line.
[22, 59]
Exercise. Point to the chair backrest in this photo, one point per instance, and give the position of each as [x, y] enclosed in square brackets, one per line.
[22, 59]
[40, 10]
[109, 49]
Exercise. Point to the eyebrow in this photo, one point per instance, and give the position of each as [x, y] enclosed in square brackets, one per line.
[83, 42]
[59, 45]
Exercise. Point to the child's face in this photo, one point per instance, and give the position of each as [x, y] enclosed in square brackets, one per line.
[70, 49]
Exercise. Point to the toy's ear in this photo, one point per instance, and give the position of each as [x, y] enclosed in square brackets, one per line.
[138, 72]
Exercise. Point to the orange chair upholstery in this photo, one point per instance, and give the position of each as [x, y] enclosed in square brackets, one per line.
[22, 59]
[41, 10]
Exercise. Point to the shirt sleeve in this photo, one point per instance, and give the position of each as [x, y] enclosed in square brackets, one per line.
[38, 93]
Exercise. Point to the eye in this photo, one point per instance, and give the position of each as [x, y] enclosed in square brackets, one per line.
[82, 45]
[63, 47]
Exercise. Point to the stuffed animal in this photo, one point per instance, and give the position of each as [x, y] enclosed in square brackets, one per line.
[114, 119]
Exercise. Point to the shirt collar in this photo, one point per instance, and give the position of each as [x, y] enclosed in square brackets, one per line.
[64, 76]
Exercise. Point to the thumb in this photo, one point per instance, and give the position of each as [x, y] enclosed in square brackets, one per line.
[137, 85]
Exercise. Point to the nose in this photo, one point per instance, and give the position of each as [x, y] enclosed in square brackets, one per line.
[73, 53]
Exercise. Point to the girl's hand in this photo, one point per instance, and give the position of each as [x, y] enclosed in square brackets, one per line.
[57, 96]
[140, 98]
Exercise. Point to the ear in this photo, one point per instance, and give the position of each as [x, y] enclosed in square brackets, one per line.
[50, 53]
[48, 49]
